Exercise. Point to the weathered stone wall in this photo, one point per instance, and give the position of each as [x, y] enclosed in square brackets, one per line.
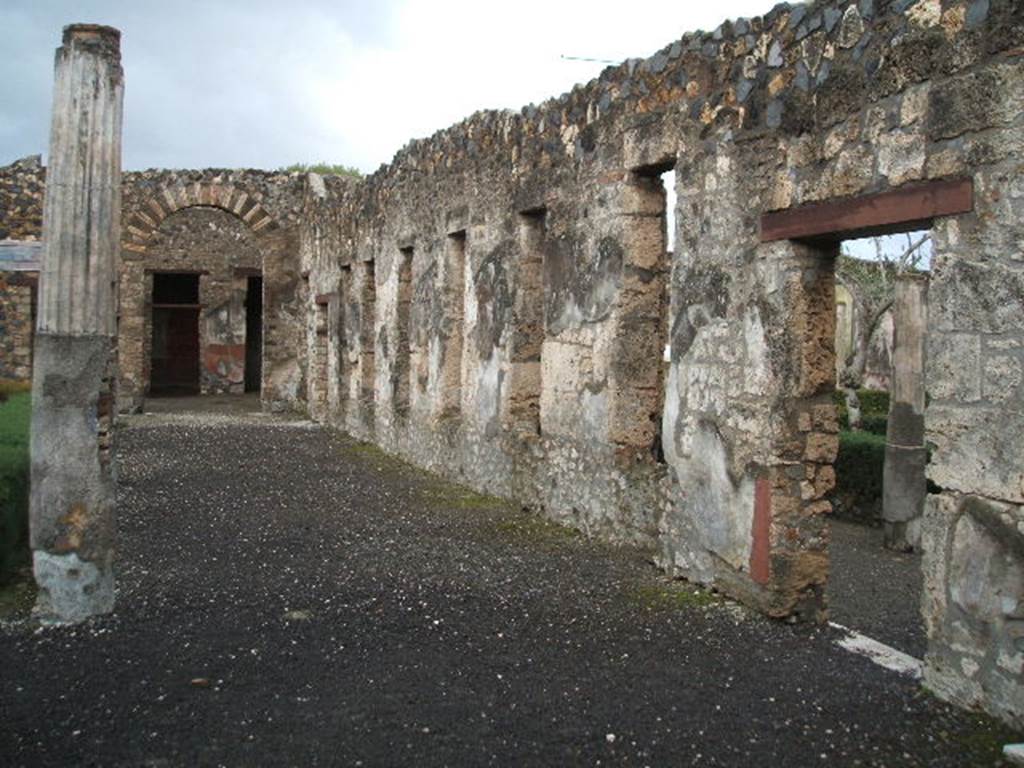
[21, 199]
[256, 232]
[17, 291]
[223, 252]
[21, 221]
[320, 357]
[447, 262]
[227, 225]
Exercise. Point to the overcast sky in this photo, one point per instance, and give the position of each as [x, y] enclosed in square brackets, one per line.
[227, 83]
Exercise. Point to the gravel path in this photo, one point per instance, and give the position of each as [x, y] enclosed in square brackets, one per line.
[874, 590]
[289, 597]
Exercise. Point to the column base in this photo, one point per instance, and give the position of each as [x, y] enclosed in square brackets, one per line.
[71, 590]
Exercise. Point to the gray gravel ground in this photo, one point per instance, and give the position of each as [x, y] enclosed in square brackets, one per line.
[874, 590]
[289, 597]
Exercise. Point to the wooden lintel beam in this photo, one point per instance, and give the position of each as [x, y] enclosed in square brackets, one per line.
[911, 207]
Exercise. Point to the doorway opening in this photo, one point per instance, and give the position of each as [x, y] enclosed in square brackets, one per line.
[642, 316]
[526, 368]
[878, 501]
[318, 364]
[402, 364]
[864, 599]
[449, 401]
[367, 341]
[253, 333]
[174, 368]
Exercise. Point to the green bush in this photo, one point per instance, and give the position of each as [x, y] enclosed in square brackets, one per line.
[874, 410]
[858, 492]
[839, 398]
[323, 168]
[14, 480]
[874, 423]
[874, 402]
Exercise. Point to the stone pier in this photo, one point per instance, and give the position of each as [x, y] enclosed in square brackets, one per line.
[904, 484]
[72, 501]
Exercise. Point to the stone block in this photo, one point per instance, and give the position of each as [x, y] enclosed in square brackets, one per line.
[973, 296]
[1003, 375]
[821, 448]
[977, 450]
[954, 367]
[901, 157]
[826, 418]
[982, 99]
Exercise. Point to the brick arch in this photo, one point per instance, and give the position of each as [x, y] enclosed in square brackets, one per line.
[157, 207]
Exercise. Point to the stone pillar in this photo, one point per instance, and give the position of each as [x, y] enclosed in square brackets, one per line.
[72, 498]
[904, 486]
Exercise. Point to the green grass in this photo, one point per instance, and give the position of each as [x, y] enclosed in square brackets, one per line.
[14, 478]
[17, 595]
[433, 490]
[530, 527]
[667, 596]
[444, 494]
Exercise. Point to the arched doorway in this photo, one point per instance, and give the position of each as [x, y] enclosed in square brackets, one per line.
[192, 293]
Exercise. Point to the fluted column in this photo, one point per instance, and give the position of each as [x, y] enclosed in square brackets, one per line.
[72, 499]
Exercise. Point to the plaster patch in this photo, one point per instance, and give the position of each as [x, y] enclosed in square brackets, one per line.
[595, 414]
[670, 415]
[722, 511]
[488, 394]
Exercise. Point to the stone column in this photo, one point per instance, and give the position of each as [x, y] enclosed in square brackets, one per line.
[72, 499]
[904, 485]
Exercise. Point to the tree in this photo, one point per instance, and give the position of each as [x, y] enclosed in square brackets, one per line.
[871, 282]
[322, 168]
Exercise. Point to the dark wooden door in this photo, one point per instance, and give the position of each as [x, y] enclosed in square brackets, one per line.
[253, 334]
[175, 368]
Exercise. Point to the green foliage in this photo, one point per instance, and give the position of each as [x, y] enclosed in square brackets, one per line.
[529, 527]
[871, 279]
[858, 467]
[839, 398]
[14, 480]
[874, 402]
[874, 406]
[663, 596]
[875, 424]
[324, 169]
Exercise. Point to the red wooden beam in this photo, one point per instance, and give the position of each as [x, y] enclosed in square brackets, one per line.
[761, 549]
[899, 210]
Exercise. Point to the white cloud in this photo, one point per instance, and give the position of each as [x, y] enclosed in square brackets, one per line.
[449, 58]
[265, 84]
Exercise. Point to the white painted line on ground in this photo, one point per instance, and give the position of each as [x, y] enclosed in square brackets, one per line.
[1014, 753]
[880, 653]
